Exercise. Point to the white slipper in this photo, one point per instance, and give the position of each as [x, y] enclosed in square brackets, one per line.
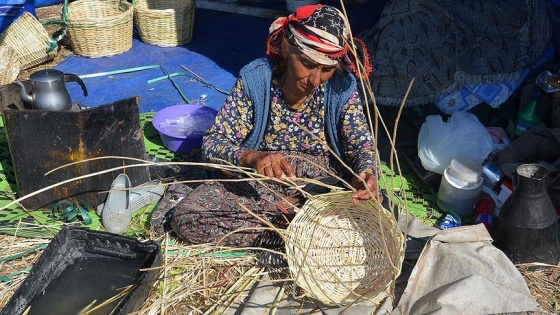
[141, 195]
[145, 194]
[115, 215]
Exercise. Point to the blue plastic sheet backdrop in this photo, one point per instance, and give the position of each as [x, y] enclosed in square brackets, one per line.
[222, 44]
[217, 52]
[156, 95]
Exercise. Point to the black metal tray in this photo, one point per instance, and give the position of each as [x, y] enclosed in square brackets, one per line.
[82, 269]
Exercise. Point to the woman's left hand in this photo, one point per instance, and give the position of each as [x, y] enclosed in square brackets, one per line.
[368, 191]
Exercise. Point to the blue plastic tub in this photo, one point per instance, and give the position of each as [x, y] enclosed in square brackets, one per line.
[10, 10]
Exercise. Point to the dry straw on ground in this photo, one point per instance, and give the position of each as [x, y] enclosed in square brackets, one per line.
[192, 279]
[544, 283]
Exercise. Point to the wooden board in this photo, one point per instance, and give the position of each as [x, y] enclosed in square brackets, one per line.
[41, 141]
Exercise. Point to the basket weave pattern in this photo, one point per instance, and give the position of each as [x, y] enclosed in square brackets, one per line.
[339, 252]
[99, 28]
[30, 40]
[165, 23]
[9, 65]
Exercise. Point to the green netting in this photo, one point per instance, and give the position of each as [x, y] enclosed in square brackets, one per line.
[410, 194]
[15, 220]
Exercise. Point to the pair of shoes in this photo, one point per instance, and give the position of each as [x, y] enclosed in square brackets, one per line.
[141, 195]
[115, 215]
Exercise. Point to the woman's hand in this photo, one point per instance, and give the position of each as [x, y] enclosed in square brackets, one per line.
[267, 164]
[363, 193]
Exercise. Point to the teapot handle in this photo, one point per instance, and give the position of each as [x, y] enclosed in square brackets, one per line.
[74, 78]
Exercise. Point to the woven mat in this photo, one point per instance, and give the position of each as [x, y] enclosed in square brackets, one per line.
[15, 220]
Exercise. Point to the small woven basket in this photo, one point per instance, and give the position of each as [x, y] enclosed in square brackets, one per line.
[164, 23]
[9, 65]
[30, 40]
[340, 252]
[99, 28]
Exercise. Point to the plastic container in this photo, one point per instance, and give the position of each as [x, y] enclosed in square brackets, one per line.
[460, 187]
[485, 211]
[528, 115]
[180, 142]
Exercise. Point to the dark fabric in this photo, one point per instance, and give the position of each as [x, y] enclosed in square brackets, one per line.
[214, 209]
[446, 44]
[537, 144]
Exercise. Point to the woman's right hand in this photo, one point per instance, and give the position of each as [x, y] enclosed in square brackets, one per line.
[267, 163]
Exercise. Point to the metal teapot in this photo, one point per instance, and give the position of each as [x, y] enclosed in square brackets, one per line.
[48, 90]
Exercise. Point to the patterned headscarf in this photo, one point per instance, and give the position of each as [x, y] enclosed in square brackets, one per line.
[321, 33]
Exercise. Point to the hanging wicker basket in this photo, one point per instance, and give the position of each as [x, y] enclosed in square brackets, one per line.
[340, 252]
[99, 28]
[164, 23]
[30, 40]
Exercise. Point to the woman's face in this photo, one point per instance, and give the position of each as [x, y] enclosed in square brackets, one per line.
[305, 73]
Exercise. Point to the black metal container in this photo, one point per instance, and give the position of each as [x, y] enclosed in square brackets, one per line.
[82, 269]
[528, 221]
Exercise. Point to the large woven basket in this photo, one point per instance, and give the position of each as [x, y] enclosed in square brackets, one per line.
[30, 40]
[99, 28]
[164, 23]
[340, 252]
[9, 65]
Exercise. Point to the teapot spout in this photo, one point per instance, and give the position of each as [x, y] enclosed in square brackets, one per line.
[25, 97]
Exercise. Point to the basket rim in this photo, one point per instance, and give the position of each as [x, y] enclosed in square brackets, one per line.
[182, 5]
[80, 6]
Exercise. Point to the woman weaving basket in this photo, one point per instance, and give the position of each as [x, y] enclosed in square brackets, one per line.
[287, 116]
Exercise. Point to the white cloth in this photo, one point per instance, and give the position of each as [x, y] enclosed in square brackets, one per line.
[461, 272]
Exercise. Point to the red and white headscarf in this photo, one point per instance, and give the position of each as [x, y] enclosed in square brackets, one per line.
[321, 33]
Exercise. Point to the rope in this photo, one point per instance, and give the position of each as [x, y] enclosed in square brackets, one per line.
[70, 211]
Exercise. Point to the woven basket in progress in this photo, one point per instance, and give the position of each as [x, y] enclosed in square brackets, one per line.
[339, 252]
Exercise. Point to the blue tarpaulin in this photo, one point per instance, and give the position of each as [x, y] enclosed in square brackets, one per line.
[222, 44]
[218, 50]
[155, 95]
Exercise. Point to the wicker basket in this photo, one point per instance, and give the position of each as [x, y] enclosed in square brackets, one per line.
[9, 65]
[30, 40]
[339, 252]
[165, 22]
[99, 28]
